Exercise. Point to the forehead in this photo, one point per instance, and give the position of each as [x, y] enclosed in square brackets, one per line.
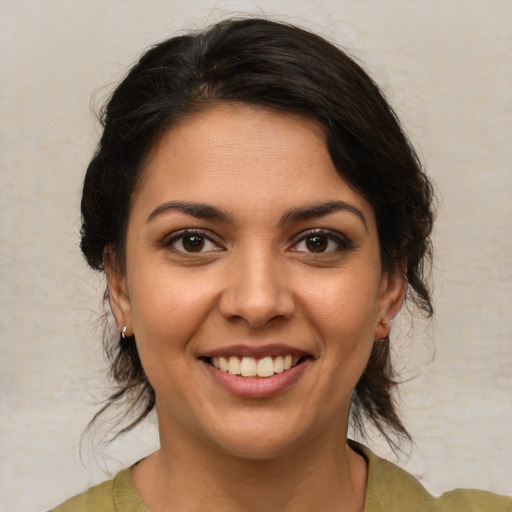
[244, 156]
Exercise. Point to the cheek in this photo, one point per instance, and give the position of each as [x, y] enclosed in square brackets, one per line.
[165, 320]
[344, 303]
[344, 312]
[168, 308]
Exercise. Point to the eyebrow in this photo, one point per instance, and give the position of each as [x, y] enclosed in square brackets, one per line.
[320, 210]
[206, 211]
[199, 210]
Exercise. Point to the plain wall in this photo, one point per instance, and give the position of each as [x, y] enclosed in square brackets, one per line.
[445, 65]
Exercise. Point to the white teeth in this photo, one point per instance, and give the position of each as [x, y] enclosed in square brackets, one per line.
[265, 367]
[250, 367]
[279, 364]
[234, 365]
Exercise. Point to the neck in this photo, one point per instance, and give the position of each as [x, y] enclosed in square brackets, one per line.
[321, 474]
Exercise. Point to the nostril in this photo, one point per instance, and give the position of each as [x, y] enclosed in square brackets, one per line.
[258, 295]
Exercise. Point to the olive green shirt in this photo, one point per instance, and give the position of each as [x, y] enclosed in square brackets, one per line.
[389, 489]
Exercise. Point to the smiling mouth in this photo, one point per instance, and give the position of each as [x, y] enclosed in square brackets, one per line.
[251, 367]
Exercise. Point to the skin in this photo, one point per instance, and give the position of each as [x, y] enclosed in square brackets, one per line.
[257, 279]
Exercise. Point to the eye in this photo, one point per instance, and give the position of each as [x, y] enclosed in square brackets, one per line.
[192, 242]
[320, 242]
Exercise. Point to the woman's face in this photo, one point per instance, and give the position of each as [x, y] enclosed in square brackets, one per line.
[246, 251]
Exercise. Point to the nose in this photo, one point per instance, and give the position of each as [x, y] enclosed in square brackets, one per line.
[256, 289]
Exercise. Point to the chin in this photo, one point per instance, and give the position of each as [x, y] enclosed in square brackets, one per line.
[258, 439]
[253, 448]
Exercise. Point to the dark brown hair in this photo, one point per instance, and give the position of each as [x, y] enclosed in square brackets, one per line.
[288, 69]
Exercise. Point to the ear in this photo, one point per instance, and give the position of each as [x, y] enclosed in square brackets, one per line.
[118, 292]
[393, 287]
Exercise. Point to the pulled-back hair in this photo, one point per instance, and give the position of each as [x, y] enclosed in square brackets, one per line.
[287, 69]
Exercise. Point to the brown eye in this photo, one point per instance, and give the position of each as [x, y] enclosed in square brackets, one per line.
[317, 243]
[320, 242]
[193, 243]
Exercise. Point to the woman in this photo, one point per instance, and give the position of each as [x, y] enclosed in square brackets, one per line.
[261, 218]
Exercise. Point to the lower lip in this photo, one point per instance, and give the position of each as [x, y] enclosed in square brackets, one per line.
[257, 387]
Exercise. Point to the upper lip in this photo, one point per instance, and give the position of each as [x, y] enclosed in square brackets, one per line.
[258, 351]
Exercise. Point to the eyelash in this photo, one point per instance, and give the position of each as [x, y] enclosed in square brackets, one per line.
[341, 241]
[203, 237]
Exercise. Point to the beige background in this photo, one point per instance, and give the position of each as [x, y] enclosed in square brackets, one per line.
[446, 67]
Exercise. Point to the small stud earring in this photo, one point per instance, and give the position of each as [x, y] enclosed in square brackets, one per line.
[123, 332]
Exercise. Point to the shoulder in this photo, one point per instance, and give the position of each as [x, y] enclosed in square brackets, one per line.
[391, 489]
[474, 501]
[99, 497]
[118, 494]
